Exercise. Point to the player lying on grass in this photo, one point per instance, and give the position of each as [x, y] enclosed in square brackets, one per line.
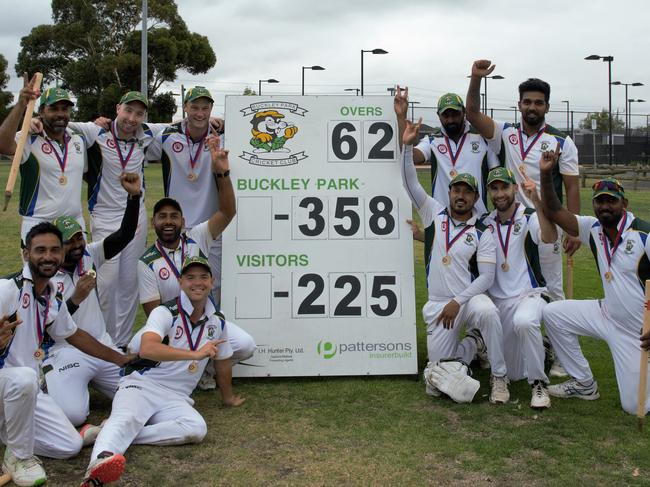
[152, 405]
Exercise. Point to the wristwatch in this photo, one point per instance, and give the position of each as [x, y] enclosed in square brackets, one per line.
[223, 175]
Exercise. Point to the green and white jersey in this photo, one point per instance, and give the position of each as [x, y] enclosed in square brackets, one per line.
[88, 316]
[187, 172]
[171, 322]
[521, 154]
[51, 176]
[518, 273]
[44, 320]
[470, 155]
[159, 267]
[625, 272]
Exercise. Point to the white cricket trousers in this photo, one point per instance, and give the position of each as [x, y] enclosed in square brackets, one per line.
[146, 413]
[480, 313]
[523, 347]
[67, 382]
[550, 261]
[18, 391]
[117, 280]
[567, 320]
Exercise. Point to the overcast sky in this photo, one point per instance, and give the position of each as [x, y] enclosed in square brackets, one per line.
[431, 46]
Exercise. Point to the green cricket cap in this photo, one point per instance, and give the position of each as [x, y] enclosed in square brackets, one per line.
[54, 95]
[450, 101]
[196, 260]
[134, 96]
[501, 174]
[466, 178]
[198, 92]
[68, 227]
[609, 186]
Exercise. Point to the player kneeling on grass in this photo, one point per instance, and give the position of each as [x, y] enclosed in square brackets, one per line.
[460, 258]
[620, 244]
[152, 405]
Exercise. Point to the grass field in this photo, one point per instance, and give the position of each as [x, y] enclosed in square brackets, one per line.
[385, 430]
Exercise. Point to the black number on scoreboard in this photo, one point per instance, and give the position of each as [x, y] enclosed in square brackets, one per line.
[307, 307]
[314, 214]
[344, 308]
[353, 216]
[377, 151]
[378, 292]
[381, 221]
[338, 140]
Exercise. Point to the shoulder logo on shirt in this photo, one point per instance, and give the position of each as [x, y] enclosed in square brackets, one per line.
[475, 147]
[163, 273]
[77, 147]
[271, 131]
[211, 331]
[545, 145]
[556, 248]
[629, 245]
[26, 301]
[516, 228]
[179, 332]
[443, 226]
[514, 140]
[110, 143]
[46, 148]
[60, 287]
[177, 147]
[442, 148]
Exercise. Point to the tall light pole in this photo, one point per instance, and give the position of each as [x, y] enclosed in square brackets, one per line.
[356, 90]
[608, 60]
[483, 103]
[413, 103]
[391, 90]
[627, 120]
[630, 101]
[496, 76]
[372, 51]
[515, 109]
[259, 84]
[313, 68]
[568, 129]
[144, 81]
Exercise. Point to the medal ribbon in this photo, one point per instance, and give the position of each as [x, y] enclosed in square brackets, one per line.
[40, 330]
[62, 161]
[523, 152]
[188, 331]
[123, 162]
[170, 262]
[452, 156]
[197, 154]
[617, 241]
[449, 244]
[504, 247]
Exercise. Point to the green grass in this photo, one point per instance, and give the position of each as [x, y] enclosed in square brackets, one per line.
[385, 430]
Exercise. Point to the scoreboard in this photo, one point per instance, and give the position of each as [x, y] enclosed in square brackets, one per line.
[318, 264]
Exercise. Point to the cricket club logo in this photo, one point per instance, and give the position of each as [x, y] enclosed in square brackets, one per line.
[514, 140]
[60, 287]
[475, 147]
[110, 143]
[179, 333]
[271, 132]
[177, 147]
[163, 273]
[469, 239]
[516, 228]
[629, 245]
[212, 330]
[442, 148]
[46, 148]
[26, 301]
[545, 145]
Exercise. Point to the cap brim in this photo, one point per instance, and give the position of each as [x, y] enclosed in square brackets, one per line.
[456, 109]
[503, 180]
[465, 183]
[193, 264]
[615, 194]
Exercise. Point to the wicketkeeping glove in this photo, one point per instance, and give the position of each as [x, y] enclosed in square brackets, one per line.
[451, 378]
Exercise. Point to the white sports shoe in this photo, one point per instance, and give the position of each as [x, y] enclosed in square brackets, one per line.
[24, 472]
[573, 388]
[207, 382]
[540, 398]
[499, 393]
[557, 370]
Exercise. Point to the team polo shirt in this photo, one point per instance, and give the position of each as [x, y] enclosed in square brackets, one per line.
[88, 316]
[471, 155]
[524, 273]
[521, 154]
[156, 278]
[17, 296]
[166, 322]
[198, 197]
[472, 246]
[41, 194]
[630, 267]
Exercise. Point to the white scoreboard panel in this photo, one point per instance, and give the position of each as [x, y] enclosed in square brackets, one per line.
[318, 264]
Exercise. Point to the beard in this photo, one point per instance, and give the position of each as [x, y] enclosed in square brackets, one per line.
[453, 129]
[44, 269]
[502, 206]
[168, 236]
[608, 219]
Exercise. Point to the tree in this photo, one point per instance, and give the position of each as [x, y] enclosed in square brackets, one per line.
[5, 96]
[248, 91]
[93, 47]
[602, 121]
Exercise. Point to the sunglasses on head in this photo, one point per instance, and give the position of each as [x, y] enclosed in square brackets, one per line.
[608, 186]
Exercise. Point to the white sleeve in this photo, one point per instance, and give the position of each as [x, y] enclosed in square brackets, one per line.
[492, 158]
[569, 158]
[159, 322]
[154, 150]
[147, 283]
[63, 326]
[585, 223]
[89, 130]
[487, 247]
[425, 147]
[426, 206]
[495, 142]
[96, 251]
[224, 350]
[8, 297]
[485, 279]
[27, 149]
[202, 236]
[534, 229]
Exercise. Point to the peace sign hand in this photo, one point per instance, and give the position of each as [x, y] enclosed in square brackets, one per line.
[549, 159]
[401, 101]
[411, 132]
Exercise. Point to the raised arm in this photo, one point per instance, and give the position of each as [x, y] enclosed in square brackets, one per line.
[10, 125]
[401, 106]
[548, 231]
[118, 240]
[552, 207]
[414, 189]
[481, 122]
[221, 169]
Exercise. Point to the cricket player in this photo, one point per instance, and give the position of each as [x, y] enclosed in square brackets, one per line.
[186, 164]
[153, 405]
[68, 370]
[519, 283]
[53, 162]
[456, 148]
[158, 274]
[620, 244]
[460, 256]
[32, 297]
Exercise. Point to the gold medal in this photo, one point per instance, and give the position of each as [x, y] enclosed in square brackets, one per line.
[608, 276]
[192, 176]
[63, 180]
[453, 173]
[92, 273]
[446, 260]
[193, 367]
[505, 267]
[522, 168]
[39, 354]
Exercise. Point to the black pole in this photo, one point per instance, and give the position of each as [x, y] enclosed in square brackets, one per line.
[485, 100]
[259, 88]
[303, 82]
[361, 72]
[609, 85]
